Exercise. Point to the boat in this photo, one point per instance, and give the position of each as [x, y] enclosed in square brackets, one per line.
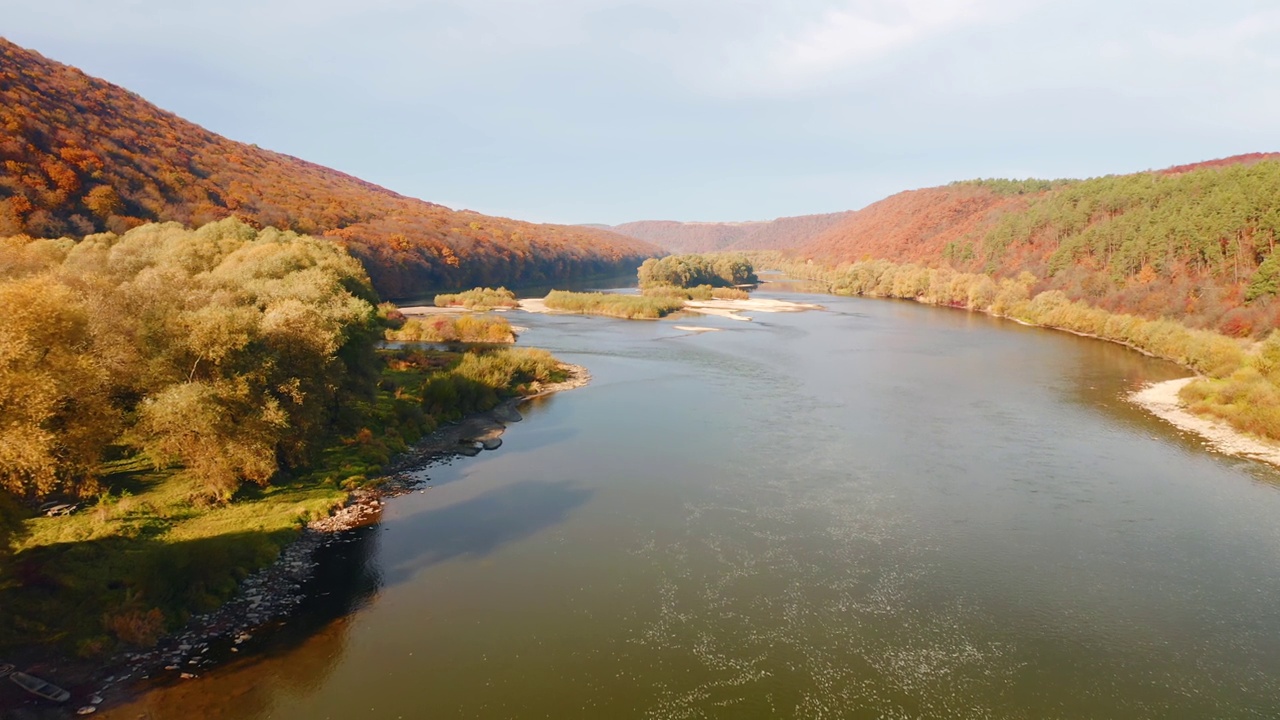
[36, 686]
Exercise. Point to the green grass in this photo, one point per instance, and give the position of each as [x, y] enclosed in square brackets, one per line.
[145, 546]
[613, 305]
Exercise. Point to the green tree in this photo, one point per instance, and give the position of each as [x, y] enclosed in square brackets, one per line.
[1266, 279]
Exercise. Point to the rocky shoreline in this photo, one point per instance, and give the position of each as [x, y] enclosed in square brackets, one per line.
[271, 594]
[1162, 400]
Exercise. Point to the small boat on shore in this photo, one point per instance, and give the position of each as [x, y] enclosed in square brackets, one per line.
[36, 686]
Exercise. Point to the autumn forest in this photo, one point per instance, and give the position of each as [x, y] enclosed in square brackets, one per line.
[195, 330]
[81, 156]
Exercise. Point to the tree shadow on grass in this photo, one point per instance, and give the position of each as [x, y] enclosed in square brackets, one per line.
[54, 599]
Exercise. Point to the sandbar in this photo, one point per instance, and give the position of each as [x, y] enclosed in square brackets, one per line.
[732, 308]
[1161, 399]
[535, 305]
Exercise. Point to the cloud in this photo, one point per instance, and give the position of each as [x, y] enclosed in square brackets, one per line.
[697, 108]
[819, 47]
[855, 35]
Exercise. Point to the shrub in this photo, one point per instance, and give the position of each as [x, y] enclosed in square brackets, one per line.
[446, 329]
[730, 294]
[136, 627]
[481, 298]
[613, 305]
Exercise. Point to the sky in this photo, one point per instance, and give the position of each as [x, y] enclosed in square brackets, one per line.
[607, 111]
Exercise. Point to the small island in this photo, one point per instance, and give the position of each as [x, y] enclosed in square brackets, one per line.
[710, 284]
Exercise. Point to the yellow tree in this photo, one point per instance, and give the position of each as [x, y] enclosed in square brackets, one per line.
[55, 414]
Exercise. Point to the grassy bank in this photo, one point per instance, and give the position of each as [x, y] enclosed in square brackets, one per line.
[151, 550]
[612, 305]
[1240, 379]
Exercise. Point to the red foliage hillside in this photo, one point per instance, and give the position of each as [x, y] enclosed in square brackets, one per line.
[913, 226]
[1195, 242]
[79, 155]
[697, 237]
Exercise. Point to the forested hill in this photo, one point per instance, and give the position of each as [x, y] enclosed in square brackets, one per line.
[79, 155]
[1193, 242]
[700, 237]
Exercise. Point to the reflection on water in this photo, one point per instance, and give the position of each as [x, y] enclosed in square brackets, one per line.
[879, 511]
[478, 526]
[286, 660]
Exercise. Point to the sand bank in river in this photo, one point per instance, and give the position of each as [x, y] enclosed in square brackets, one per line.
[535, 305]
[696, 328]
[724, 308]
[1162, 400]
[732, 308]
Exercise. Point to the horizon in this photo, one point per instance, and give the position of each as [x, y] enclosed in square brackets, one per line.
[604, 112]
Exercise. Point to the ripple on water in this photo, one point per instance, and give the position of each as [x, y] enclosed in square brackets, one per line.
[799, 595]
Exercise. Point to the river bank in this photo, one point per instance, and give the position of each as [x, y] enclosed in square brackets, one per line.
[1161, 399]
[993, 530]
[268, 596]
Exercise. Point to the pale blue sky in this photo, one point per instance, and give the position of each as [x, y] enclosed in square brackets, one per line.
[609, 111]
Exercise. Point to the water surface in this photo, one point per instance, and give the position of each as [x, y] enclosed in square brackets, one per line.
[884, 510]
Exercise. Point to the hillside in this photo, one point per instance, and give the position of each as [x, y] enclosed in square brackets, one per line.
[79, 155]
[912, 226]
[697, 237]
[1193, 242]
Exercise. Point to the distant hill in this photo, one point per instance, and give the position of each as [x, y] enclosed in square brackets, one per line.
[1194, 242]
[79, 155]
[687, 237]
[912, 226]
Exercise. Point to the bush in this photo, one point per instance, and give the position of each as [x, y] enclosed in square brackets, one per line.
[729, 294]
[480, 298]
[688, 271]
[447, 329]
[136, 627]
[623, 306]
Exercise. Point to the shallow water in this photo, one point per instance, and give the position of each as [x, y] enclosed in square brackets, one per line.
[883, 510]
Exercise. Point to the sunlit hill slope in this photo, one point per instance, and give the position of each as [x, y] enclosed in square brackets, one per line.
[1193, 242]
[79, 155]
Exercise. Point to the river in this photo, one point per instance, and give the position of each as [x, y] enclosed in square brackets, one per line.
[881, 510]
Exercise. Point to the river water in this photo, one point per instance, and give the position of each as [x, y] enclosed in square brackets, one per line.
[881, 510]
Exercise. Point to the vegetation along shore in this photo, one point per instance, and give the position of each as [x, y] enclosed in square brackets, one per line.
[204, 407]
[1236, 378]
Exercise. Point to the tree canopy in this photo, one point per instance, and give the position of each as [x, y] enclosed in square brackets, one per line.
[686, 271]
[227, 350]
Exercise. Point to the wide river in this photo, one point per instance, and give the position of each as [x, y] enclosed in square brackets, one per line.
[881, 510]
